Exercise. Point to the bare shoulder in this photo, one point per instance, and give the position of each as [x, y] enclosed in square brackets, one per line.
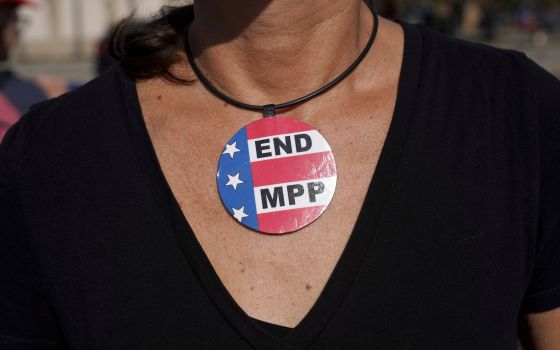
[391, 35]
[391, 29]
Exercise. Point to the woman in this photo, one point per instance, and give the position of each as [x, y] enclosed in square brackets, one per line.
[443, 231]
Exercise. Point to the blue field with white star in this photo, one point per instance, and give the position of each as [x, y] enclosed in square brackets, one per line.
[235, 182]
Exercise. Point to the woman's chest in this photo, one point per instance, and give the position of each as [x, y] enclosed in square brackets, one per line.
[441, 252]
[442, 243]
[273, 278]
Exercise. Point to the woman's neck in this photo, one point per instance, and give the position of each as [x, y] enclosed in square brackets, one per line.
[271, 51]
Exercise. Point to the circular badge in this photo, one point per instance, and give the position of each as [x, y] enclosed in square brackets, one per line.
[277, 175]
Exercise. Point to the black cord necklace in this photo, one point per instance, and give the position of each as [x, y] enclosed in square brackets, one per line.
[270, 109]
[277, 175]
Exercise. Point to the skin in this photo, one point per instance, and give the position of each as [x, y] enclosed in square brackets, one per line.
[541, 331]
[270, 52]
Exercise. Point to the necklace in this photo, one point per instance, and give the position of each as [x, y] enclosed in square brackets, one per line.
[277, 175]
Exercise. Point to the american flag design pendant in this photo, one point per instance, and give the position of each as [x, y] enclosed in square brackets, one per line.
[276, 175]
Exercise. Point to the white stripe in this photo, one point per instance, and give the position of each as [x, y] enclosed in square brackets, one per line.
[319, 144]
[303, 201]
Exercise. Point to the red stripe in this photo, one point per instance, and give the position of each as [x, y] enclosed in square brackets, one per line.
[275, 126]
[291, 169]
[288, 220]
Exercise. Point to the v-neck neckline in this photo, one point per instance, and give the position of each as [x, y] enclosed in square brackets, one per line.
[346, 269]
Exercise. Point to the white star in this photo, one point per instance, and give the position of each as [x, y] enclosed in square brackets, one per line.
[231, 149]
[234, 181]
[239, 214]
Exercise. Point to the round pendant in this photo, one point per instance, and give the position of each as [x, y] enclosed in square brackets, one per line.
[277, 175]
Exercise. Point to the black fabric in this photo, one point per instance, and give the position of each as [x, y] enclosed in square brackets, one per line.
[274, 329]
[459, 233]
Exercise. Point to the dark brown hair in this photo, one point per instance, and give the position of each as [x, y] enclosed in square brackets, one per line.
[8, 13]
[148, 48]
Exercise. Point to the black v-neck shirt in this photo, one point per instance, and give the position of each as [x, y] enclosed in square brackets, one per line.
[458, 235]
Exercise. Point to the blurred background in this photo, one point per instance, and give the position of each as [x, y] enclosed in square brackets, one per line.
[66, 37]
[531, 26]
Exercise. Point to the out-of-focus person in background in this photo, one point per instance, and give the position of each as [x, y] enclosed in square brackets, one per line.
[488, 20]
[441, 17]
[472, 17]
[16, 94]
[103, 59]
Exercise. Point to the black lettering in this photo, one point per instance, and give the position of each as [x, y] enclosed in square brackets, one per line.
[261, 146]
[286, 146]
[293, 192]
[315, 188]
[308, 143]
[276, 199]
